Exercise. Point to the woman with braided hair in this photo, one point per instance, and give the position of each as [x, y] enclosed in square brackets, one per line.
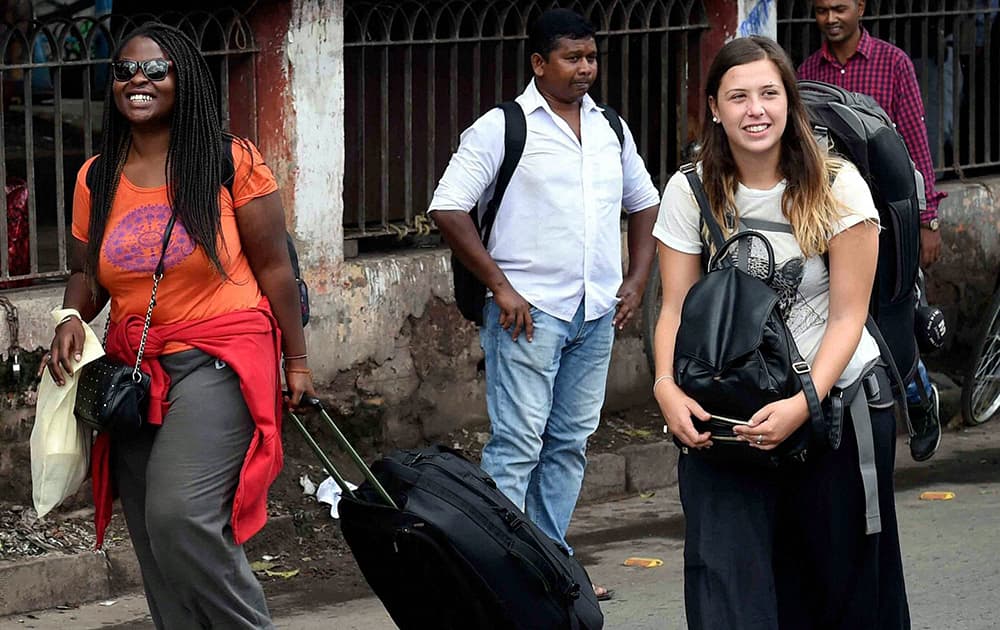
[193, 481]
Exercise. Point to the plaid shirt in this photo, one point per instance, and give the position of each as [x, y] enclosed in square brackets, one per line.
[885, 73]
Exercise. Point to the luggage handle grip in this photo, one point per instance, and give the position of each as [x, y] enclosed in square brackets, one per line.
[346, 446]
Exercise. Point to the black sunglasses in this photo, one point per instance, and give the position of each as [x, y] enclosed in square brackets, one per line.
[154, 69]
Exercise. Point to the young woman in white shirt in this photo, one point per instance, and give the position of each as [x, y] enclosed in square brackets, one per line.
[783, 548]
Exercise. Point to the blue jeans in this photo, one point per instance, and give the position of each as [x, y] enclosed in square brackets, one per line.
[544, 399]
[912, 393]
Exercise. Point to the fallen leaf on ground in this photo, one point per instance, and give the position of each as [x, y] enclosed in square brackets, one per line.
[641, 433]
[645, 563]
[937, 496]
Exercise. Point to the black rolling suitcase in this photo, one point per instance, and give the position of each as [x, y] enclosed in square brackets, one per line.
[444, 549]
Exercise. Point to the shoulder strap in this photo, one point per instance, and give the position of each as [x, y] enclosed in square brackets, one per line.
[92, 171]
[615, 121]
[691, 172]
[762, 225]
[898, 385]
[515, 135]
[228, 167]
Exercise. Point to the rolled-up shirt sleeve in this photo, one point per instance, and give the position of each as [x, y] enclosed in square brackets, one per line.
[638, 192]
[473, 167]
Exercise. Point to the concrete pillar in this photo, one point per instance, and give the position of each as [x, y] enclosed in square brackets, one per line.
[315, 53]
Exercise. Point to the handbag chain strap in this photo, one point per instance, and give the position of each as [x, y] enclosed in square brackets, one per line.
[157, 276]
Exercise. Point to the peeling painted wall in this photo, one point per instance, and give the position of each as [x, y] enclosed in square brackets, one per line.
[370, 300]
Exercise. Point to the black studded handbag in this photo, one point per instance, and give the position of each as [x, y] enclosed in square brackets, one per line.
[114, 396]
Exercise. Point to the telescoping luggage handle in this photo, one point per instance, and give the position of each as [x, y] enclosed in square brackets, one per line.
[344, 444]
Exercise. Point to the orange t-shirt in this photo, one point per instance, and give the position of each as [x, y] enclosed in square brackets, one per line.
[191, 287]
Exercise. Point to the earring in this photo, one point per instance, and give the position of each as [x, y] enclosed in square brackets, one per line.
[715, 119]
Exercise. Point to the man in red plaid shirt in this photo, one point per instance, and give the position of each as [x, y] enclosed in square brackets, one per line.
[856, 61]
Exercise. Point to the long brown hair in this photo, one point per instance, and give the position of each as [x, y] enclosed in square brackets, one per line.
[808, 201]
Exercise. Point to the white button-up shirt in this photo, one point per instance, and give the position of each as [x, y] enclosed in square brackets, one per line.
[557, 234]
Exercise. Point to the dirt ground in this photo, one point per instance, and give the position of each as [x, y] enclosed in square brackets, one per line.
[316, 553]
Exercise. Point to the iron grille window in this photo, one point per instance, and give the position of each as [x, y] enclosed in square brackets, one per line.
[951, 43]
[418, 73]
[54, 74]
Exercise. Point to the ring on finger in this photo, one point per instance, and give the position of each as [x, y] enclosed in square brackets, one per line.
[759, 440]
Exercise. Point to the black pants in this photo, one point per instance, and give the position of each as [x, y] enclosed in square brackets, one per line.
[787, 548]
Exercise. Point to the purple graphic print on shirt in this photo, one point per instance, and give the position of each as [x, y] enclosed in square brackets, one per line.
[134, 244]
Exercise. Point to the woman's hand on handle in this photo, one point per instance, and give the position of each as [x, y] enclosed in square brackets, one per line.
[66, 350]
[299, 388]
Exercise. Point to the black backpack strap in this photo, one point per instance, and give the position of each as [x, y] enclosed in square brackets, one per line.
[803, 371]
[615, 121]
[762, 225]
[691, 172]
[515, 135]
[228, 174]
[897, 379]
[91, 177]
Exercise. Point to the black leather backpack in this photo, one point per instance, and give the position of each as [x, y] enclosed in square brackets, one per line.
[734, 354]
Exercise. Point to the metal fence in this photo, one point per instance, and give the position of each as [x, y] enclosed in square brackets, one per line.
[54, 74]
[955, 47]
[418, 73]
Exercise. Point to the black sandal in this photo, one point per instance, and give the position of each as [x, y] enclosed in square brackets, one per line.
[603, 594]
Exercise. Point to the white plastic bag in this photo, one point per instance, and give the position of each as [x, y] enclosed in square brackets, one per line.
[329, 492]
[60, 446]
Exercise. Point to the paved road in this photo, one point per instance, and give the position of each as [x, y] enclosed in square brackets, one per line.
[950, 548]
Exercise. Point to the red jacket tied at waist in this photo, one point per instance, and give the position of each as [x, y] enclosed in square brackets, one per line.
[249, 341]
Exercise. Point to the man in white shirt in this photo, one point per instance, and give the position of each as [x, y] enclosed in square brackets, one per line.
[552, 266]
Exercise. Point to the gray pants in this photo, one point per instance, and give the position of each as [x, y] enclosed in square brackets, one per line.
[177, 483]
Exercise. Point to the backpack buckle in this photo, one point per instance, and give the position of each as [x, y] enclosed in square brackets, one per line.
[801, 367]
[688, 167]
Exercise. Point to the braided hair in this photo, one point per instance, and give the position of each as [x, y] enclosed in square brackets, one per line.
[194, 154]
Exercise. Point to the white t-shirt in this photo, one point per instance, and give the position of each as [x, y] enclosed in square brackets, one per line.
[804, 284]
